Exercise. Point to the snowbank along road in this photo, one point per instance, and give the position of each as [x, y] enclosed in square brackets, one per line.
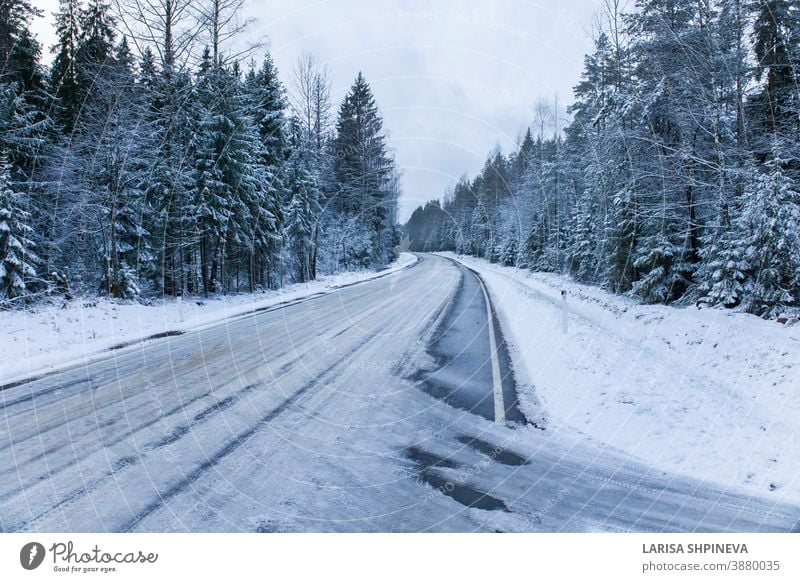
[386, 406]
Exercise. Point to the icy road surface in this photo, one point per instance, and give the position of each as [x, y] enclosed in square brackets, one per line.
[370, 409]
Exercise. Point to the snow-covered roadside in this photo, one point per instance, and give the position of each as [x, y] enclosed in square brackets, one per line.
[50, 336]
[708, 393]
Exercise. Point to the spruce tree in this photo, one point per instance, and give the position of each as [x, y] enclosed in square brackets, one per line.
[584, 256]
[17, 259]
[24, 131]
[776, 44]
[303, 208]
[95, 50]
[363, 170]
[267, 108]
[64, 74]
[19, 50]
[725, 271]
[232, 184]
[769, 227]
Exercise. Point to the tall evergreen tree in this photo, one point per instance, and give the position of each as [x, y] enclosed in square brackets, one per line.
[236, 224]
[363, 170]
[303, 210]
[64, 74]
[95, 50]
[776, 44]
[769, 227]
[17, 258]
[169, 182]
[23, 131]
[267, 107]
[116, 175]
[19, 50]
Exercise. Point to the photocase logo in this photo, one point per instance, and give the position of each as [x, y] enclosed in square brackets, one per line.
[31, 555]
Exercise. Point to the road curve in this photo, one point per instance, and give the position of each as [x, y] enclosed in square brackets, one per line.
[367, 409]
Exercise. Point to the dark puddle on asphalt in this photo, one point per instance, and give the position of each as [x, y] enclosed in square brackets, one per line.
[464, 494]
[427, 460]
[495, 452]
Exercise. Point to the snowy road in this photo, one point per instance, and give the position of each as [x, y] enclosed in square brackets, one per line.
[333, 414]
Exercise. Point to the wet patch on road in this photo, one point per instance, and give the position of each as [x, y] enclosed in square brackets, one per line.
[468, 496]
[464, 494]
[459, 368]
[428, 460]
[494, 452]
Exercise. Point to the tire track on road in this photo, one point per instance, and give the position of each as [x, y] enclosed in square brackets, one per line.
[235, 443]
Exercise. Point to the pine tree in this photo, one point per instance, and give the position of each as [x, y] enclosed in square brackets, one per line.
[64, 74]
[725, 270]
[23, 131]
[268, 110]
[17, 259]
[234, 193]
[303, 209]
[776, 44]
[769, 226]
[675, 56]
[584, 259]
[622, 233]
[95, 50]
[19, 50]
[363, 170]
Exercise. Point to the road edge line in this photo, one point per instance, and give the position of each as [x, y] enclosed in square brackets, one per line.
[499, 403]
[497, 382]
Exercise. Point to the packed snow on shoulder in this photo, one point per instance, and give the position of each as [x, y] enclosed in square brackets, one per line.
[706, 392]
[48, 336]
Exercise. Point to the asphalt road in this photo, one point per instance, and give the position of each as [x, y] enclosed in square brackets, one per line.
[376, 408]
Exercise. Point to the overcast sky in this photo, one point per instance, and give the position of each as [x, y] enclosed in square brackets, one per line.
[453, 78]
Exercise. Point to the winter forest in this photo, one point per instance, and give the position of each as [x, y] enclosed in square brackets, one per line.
[672, 177]
[157, 156]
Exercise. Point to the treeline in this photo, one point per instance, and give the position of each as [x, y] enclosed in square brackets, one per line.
[151, 157]
[677, 177]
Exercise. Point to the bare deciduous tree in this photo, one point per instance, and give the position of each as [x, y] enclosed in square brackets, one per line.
[311, 97]
[222, 21]
[167, 26]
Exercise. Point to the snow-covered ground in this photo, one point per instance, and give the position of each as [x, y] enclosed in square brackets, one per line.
[709, 393]
[49, 336]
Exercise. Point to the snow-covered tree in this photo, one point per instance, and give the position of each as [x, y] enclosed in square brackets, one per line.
[19, 49]
[769, 226]
[23, 131]
[725, 271]
[267, 107]
[303, 210]
[363, 170]
[584, 259]
[17, 258]
[775, 108]
[64, 73]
